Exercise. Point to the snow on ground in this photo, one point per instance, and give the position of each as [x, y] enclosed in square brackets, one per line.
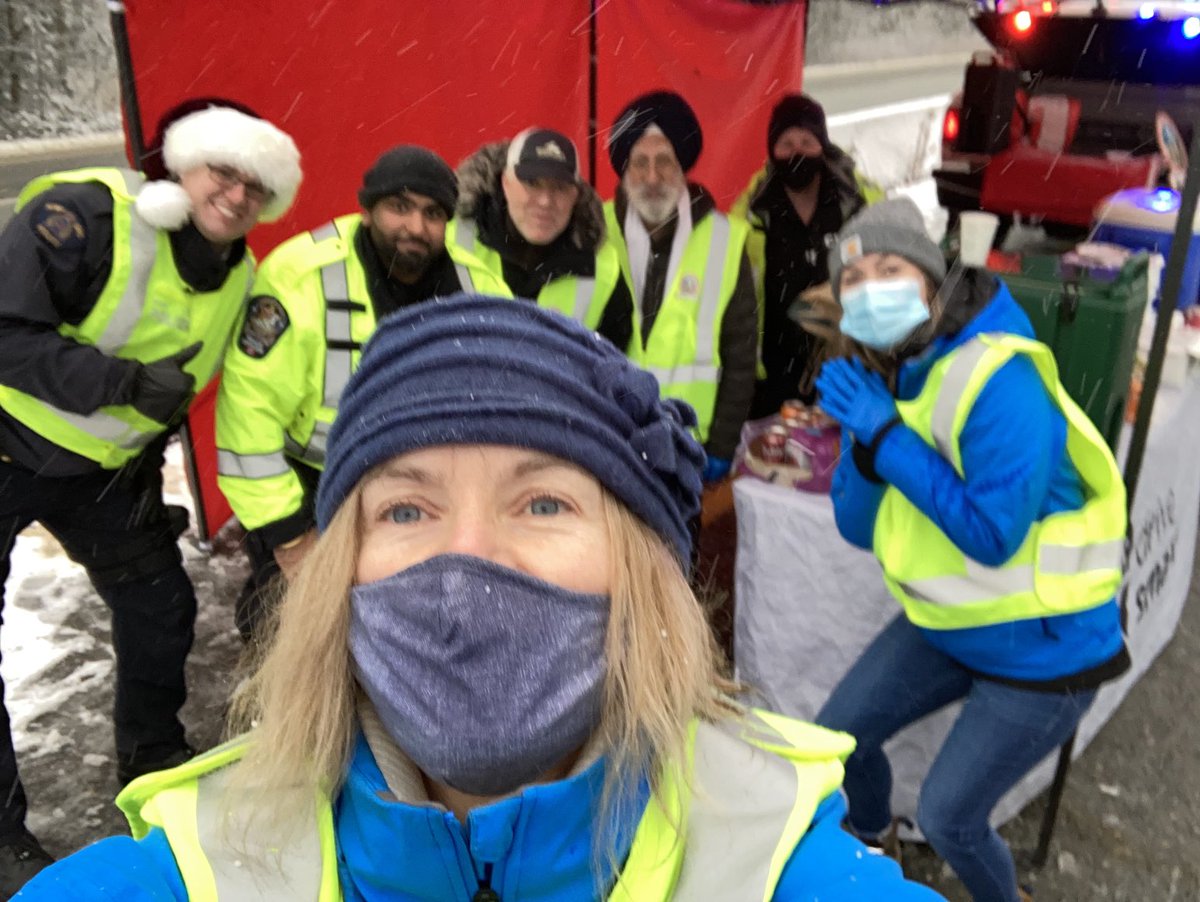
[58, 670]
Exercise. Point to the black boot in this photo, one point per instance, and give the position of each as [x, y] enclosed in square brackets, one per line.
[21, 857]
[129, 769]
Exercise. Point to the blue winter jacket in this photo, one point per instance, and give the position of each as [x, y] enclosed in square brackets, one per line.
[534, 846]
[1016, 472]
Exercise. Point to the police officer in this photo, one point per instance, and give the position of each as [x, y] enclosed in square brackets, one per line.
[528, 226]
[118, 301]
[685, 262]
[316, 300]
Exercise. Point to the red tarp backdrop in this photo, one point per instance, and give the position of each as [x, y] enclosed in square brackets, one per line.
[732, 61]
[350, 78]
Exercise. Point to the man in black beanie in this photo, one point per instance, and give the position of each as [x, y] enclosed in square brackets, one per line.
[315, 301]
[695, 326]
[795, 205]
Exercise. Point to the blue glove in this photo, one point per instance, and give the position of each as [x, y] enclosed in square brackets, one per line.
[856, 397]
[716, 469]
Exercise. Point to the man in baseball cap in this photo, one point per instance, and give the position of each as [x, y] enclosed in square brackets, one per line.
[529, 227]
[315, 301]
[120, 296]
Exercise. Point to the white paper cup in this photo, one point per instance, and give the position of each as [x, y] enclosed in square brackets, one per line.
[976, 232]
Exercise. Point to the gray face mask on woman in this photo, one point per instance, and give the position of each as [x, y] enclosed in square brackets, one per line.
[484, 676]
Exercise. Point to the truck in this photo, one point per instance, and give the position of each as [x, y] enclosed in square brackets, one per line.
[1074, 101]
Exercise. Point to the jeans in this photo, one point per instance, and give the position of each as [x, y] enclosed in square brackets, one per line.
[1000, 735]
[119, 530]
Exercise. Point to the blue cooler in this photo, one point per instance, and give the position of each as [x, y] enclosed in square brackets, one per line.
[1144, 219]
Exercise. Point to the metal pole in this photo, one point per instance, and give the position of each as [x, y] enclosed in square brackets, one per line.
[593, 95]
[137, 148]
[129, 98]
[1168, 302]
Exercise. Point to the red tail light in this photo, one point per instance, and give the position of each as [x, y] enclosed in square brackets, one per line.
[1022, 21]
[950, 126]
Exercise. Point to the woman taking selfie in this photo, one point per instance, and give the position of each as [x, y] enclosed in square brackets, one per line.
[491, 680]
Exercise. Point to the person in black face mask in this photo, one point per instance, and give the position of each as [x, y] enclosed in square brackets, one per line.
[795, 204]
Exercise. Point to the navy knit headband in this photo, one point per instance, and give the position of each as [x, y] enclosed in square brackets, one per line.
[480, 370]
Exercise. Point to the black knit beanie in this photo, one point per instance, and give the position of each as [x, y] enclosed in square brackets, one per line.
[410, 168]
[800, 111]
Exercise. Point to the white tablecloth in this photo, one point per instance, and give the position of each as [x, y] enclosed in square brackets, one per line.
[808, 602]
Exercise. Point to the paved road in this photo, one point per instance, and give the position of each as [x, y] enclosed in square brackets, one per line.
[17, 170]
[842, 90]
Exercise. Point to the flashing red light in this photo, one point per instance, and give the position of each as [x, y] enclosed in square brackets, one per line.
[1023, 21]
[950, 126]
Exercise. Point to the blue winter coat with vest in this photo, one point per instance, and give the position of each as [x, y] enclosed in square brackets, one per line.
[534, 846]
[1016, 472]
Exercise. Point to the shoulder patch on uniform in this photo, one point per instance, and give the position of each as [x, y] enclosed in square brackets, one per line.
[265, 321]
[59, 227]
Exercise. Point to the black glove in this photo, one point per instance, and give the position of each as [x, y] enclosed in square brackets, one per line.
[163, 389]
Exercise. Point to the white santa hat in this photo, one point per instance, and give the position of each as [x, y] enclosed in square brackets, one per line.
[226, 137]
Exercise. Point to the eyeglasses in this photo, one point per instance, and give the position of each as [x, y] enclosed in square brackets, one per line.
[228, 177]
[665, 166]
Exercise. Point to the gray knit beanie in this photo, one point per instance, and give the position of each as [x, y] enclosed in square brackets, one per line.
[889, 227]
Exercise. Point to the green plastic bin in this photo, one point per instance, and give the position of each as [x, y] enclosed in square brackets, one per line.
[1090, 318]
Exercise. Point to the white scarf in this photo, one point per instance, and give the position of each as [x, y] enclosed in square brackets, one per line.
[637, 241]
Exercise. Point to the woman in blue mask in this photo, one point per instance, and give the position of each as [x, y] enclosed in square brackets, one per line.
[490, 680]
[997, 513]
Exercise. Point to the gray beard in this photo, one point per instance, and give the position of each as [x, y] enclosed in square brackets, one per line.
[653, 212]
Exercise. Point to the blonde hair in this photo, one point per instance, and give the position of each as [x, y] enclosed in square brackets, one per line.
[664, 669]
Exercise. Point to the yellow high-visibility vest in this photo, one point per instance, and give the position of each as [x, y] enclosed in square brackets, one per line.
[683, 350]
[282, 405]
[782, 767]
[145, 312]
[481, 271]
[1069, 561]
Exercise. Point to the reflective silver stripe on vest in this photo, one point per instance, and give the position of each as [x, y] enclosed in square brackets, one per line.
[314, 452]
[325, 232]
[1070, 559]
[465, 234]
[106, 428]
[734, 825]
[335, 285]
[281, 873]
[143, 244]
[251, 466]
[584, 290]
[464, 277]
[710, 293]
[954, 384]
[979, 584]
[680, 374]
[982, 583]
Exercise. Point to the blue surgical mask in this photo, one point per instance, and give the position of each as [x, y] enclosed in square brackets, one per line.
[485, 677]
[881, 314]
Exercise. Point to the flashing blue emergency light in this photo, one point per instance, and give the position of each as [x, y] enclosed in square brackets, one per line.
[1191, 27]
[1164, 200]
[1146, 11]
